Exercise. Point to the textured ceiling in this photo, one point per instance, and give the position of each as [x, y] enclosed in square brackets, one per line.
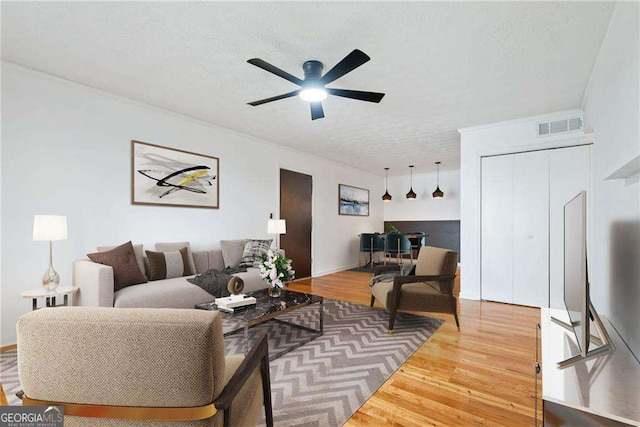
[442, 66]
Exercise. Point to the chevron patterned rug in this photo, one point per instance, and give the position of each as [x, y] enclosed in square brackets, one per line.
[323, 382]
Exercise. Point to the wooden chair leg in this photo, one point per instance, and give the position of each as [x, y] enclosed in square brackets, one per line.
[392, 320]
[454, 308]
[266, 391]
[373, 300]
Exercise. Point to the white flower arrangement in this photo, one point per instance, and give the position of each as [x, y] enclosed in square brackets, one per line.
[276, 269]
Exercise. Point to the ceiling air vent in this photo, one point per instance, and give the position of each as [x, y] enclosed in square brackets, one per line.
[559, 126]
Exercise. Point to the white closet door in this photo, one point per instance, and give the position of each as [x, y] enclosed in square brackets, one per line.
[497, 228]
[531, 229]
[569, 171]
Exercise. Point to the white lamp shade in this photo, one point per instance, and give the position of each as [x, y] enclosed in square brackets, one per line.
[49, 227]
[276, 226]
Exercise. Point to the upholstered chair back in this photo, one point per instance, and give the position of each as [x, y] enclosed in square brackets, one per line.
[371, 242]
[122, 357]
[436, 261]
[396, 242]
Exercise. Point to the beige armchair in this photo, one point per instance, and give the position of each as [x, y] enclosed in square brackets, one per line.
[430, 288]
[140, 367]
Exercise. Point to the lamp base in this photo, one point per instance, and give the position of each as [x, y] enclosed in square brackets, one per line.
[51, 279]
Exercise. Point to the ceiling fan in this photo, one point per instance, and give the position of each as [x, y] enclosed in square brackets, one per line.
[312, 88]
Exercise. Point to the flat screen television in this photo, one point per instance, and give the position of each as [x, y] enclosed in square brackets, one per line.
[576, 282]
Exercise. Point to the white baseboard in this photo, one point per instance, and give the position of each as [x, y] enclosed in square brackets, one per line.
[335, 270]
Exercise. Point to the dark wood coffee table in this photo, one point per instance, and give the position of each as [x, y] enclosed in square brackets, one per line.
[269, 308]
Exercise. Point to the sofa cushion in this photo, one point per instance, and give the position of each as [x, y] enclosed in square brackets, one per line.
[253, 250]
[168, 293]
[232, 251]
[176, 246]
[418, 296]
[167, 265]
[137, 250]
[122, 259]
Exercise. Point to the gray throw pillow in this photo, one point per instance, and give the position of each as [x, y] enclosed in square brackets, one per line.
[232, 251]
[122, 259]
[253, 250]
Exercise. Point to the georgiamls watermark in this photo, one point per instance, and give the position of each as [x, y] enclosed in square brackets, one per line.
[31, 416]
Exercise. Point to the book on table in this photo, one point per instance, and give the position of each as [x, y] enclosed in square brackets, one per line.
[234, 302]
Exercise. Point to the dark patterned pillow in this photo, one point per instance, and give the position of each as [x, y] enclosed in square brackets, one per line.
[167, 265]
[253, 249]
[122, 259]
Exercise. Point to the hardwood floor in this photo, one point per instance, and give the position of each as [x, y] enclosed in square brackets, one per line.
[482, 375]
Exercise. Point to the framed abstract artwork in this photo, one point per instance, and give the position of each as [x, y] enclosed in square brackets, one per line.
[169, 177]
[353, 200]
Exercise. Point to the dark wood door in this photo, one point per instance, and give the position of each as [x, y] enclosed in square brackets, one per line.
[295, 207]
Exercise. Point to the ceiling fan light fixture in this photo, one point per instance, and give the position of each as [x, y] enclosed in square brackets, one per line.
[313, 94]
[438, 194]
[312, 88]
[411, 195]
[386, 197]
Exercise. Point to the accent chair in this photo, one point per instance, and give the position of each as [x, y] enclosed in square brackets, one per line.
[140, 367]
[430, 288]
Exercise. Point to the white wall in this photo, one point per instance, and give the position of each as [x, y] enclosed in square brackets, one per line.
[612, 111]
[498, 138]
[425, 207]
[66, 150]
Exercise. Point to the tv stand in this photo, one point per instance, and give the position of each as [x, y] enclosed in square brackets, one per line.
[602, 391]
[604, 343]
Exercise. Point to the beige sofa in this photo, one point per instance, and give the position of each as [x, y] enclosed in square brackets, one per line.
[96, 285]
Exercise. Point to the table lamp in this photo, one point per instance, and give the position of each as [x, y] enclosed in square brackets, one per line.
[50, 228]
[276, 226]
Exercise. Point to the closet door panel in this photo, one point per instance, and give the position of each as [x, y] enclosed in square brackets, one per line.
[569, 172]
[531, 229]
[497, 229]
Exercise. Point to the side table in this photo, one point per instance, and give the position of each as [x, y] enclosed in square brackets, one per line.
[50, 296]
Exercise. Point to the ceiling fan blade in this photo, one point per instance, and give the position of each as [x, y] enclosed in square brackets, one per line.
[316, 111]
[357, 94]
[274, 98]
[275, 70]
[348, 64]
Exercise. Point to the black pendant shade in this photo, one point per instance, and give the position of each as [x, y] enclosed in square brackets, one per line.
[438, 194]
[386, 197]
[411, 195]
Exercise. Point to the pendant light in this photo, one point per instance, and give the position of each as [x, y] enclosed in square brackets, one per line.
[438, 194]
[411, 195]
[386, 197]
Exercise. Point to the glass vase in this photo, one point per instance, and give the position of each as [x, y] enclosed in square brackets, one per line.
[274, 291]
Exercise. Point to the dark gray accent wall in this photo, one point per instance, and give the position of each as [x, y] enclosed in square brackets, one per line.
[442, 234]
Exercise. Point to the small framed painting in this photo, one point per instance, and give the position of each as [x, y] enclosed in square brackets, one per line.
[169, 177]
[353, 200]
